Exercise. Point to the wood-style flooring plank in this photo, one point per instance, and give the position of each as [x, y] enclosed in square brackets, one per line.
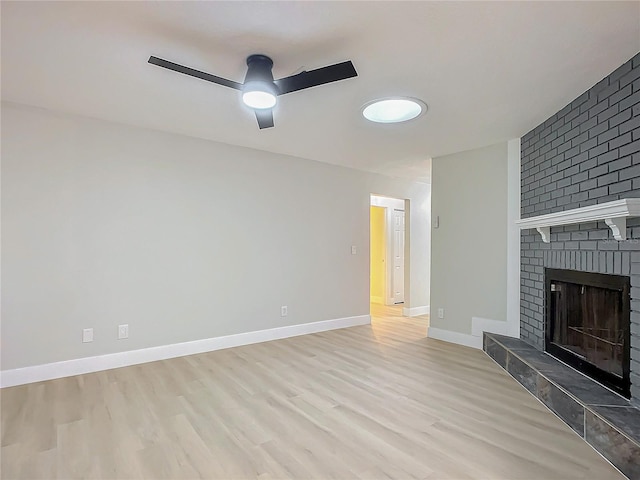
[378, 401]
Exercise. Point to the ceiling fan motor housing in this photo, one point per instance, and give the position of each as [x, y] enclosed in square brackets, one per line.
[259, 70]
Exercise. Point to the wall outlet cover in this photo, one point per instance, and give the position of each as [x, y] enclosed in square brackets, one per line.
[87, 335]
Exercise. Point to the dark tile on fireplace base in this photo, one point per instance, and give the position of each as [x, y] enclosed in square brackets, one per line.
[496, 351]
[609, 422]
[562, 405]
[614, 446]
[626, 419]
[522, 372]
[583, 388]
[540, 360]
[512, 343]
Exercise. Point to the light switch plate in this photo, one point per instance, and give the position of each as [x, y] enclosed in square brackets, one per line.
[123, 331]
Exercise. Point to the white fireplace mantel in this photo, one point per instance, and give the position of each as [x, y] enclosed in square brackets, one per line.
[614, 213]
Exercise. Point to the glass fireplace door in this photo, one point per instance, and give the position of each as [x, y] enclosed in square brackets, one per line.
[588, 324]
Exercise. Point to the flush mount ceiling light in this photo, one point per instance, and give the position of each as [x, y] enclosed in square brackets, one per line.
[393, 110]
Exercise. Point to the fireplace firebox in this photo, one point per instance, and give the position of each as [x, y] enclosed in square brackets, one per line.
[588, 324]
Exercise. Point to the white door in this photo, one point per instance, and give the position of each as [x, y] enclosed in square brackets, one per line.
[398, 256]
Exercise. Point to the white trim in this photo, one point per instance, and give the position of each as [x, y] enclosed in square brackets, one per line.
[67, 368]
[455, 337]
[618, 227]
[480, 325]
[415, 311]
[614, 213]
[388, 255]
[513, 238]
[387, 202]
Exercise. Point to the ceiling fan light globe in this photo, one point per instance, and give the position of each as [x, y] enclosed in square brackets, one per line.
[259, 100]
[258, 96]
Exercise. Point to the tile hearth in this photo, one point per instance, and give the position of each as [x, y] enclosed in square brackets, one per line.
[607, 421]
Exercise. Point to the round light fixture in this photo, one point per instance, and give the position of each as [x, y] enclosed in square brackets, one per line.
[393, 110]
[258, 95]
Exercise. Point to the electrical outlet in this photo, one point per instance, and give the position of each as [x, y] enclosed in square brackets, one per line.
[354, 250]
[123, 331]
[284, 311]
[441, 313]
[87, 335]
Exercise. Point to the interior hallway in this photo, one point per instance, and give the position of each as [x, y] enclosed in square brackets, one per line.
[378, 401]
[381, 313]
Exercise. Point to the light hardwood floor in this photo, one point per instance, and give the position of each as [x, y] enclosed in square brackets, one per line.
[379, 401]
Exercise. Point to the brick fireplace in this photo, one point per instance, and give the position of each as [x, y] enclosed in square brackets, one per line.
[588, 153]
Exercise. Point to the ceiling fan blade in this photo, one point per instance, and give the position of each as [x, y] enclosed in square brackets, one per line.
[194, 73]
[320, 76]
[265, 118]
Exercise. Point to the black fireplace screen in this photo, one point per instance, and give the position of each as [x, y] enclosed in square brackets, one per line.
[588, 324]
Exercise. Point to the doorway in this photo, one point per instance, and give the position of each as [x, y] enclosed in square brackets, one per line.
[387, 250]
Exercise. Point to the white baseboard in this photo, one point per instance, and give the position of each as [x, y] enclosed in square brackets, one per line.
[478, 326]
[49, 371]
[415, 311]
[379, 300]
[455, 337]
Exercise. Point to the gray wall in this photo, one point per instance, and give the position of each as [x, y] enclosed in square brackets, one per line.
[587, 153]
[183, 239]
[475, 271]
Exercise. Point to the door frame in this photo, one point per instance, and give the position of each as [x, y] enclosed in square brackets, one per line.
[388, 255]
[390, 204]
[389, 247]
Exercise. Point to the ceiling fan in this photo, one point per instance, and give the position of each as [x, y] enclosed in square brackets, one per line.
[259, 90]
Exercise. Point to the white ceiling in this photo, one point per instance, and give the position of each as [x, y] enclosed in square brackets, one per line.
[488, 71]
